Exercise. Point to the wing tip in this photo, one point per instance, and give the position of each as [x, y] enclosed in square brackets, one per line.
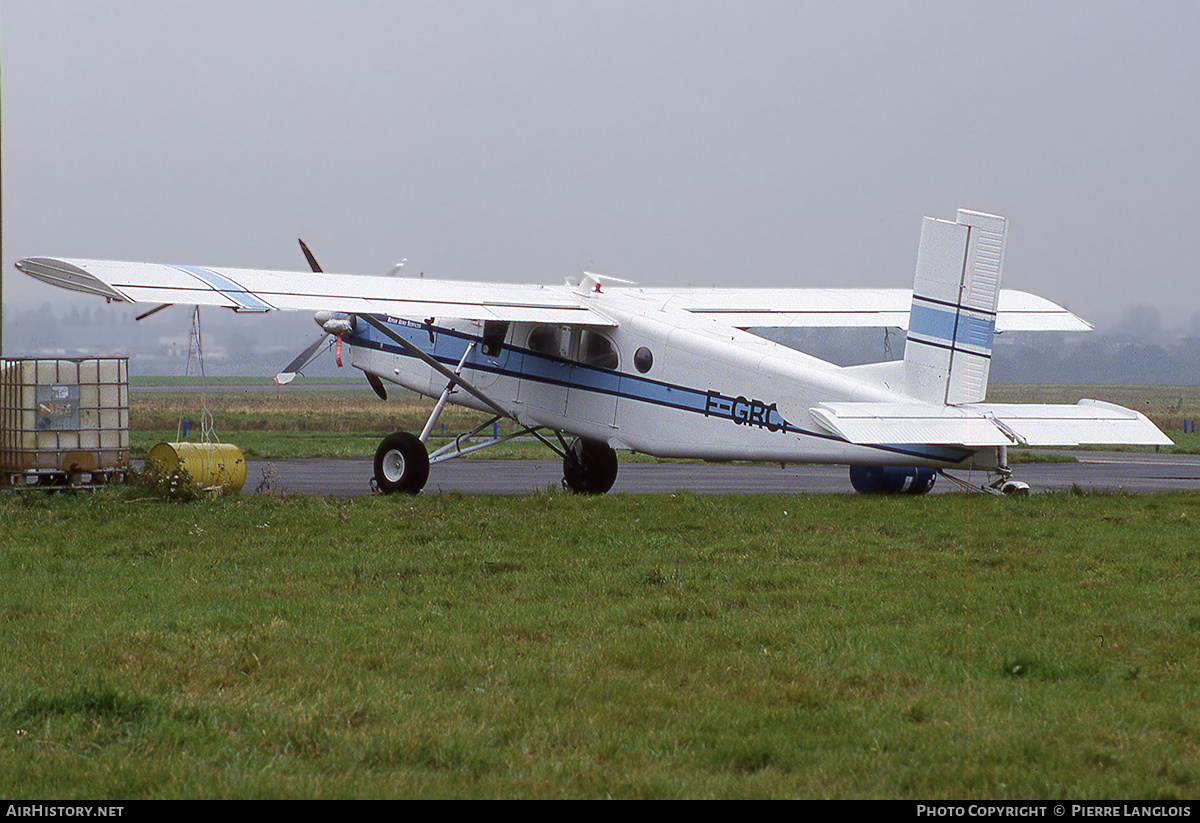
[67, 275]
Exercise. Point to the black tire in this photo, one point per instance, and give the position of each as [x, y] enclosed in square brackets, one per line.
[590, 467]
[401, 464]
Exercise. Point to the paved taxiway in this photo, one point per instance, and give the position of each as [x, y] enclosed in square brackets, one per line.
[1131, 472]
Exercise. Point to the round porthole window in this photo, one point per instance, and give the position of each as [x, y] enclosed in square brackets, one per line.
[643, 359]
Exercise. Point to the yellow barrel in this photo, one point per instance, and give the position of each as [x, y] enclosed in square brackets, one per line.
[208, 464]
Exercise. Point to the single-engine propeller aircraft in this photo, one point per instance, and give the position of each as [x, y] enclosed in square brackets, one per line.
[601, 365]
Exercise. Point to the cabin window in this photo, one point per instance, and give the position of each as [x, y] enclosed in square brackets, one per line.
[546, 339]
[643, 359]
[494, 332]
[597, 350]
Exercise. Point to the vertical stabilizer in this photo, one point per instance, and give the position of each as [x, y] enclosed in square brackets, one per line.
[953, 316]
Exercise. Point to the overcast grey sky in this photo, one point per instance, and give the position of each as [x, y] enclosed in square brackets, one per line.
[667, 142]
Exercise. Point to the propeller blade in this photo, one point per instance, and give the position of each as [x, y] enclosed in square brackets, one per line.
[289, 374]
[312, 261]
[377, 385]
[292, 369]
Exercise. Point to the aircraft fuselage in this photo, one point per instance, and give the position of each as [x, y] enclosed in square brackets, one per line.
[661, 381]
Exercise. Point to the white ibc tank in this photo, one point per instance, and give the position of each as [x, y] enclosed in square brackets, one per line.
[63, 418]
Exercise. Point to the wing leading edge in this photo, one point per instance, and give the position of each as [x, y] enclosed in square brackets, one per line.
[846, 308]
[259, 290]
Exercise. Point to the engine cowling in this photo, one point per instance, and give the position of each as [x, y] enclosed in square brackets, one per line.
[335, 323]
[891, 479]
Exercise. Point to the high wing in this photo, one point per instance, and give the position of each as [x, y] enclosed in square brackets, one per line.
[843, 308]
[256, 290]
[260, 290]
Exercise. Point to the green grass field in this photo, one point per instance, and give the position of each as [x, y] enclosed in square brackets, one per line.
[558, 646]
[629, 647]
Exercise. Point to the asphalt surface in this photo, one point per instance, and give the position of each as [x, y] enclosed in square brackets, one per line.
[1141, 473]
[1112, 471]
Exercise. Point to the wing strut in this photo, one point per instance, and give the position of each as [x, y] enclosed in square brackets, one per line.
[158, 308]
[441, 403]
[433, 364]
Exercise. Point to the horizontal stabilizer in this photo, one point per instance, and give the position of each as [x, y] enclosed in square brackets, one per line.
[874, 424]
[1090, 422]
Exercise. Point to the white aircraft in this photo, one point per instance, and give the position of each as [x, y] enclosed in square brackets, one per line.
[673, 372]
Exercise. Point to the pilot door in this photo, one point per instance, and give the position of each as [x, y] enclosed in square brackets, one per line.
[490, 358]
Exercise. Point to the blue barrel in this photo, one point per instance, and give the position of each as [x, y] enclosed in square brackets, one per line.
[891, 479]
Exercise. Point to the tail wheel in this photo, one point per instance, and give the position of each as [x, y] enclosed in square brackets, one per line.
[401, 464]
[1016, 488]
[590, 467]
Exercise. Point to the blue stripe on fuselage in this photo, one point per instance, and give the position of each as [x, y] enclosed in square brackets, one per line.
[525, 364]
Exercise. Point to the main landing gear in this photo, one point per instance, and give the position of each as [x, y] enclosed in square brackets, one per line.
[401, 464]
[402, 461]
[589, 467]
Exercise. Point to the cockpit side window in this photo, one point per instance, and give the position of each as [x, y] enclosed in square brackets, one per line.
[596, 349]
[546, 338]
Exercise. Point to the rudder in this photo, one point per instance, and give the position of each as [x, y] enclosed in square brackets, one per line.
[953, 317]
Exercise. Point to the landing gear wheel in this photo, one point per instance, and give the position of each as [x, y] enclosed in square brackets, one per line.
[401, 464]
[1015, 488]
[590, 467]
